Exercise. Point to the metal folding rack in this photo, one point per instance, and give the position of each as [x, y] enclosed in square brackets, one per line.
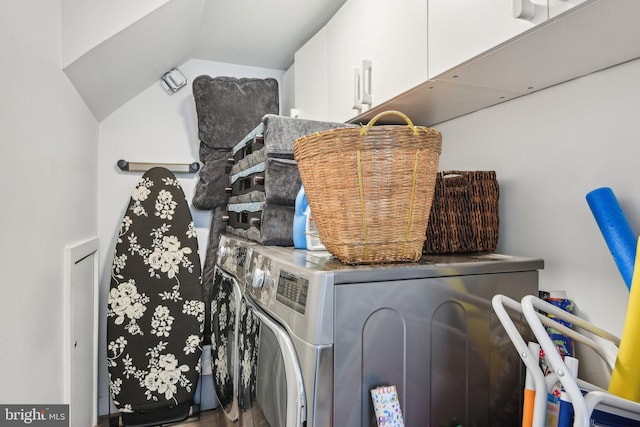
[583, 395]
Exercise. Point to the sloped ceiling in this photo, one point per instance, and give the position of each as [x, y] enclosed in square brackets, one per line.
[245, 32]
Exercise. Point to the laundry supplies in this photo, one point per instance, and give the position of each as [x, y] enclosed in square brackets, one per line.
[305, 230]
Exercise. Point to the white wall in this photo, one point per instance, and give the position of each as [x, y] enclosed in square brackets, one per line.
[152, 127]
[549, 150]
[48, 153]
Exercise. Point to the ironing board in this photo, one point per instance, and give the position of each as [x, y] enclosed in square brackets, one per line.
[155, 313]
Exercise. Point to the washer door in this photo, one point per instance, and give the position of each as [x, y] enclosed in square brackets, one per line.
[280, 399]
[225, 307]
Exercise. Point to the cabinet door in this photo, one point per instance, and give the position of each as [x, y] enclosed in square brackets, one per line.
[461, 29]
[391, 35]
[311, 78]
[347, 46]
[399, 47]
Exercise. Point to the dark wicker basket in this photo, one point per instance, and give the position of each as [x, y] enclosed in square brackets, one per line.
[464, 213]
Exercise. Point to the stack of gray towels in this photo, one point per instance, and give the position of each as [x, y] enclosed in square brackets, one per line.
[264, 179]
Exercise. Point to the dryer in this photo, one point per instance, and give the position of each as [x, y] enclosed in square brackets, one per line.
[326, 333]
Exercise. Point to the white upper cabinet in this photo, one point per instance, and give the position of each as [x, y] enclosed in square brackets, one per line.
[347, 47]
[593, 35]
[375, 50]
[399, 57]
[462, 29]
[372, 51]
[310, 78]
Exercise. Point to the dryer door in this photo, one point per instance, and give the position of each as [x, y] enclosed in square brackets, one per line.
[225, 307]
[279, 390]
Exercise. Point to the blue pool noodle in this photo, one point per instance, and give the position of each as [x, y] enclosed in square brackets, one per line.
[615, 229]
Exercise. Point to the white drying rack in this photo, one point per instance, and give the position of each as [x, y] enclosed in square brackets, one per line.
[584, 333]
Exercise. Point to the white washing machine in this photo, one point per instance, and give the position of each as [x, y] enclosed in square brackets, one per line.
[322, 334]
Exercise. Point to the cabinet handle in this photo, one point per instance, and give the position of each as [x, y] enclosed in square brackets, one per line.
[357, 91]
[525, 9]
[366, 83]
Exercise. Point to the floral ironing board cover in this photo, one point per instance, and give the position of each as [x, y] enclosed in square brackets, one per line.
[155, 313]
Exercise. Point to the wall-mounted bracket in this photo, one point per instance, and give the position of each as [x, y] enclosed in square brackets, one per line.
[173, 167]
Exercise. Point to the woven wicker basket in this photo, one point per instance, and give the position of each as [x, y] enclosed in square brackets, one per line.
[464, 213]
[370, 189]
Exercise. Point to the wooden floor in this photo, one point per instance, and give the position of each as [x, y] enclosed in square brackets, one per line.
[210, 418]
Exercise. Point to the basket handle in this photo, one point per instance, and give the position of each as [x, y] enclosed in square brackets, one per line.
[449, 174]
[365, 129]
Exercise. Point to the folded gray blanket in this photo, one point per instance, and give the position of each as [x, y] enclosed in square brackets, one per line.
[281, 183]
[276, 225]
[278, 133]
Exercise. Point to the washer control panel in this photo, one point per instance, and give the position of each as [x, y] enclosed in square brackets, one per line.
[292, 291]
[267, 282]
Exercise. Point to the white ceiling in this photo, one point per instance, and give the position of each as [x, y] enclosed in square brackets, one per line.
[245, 32]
